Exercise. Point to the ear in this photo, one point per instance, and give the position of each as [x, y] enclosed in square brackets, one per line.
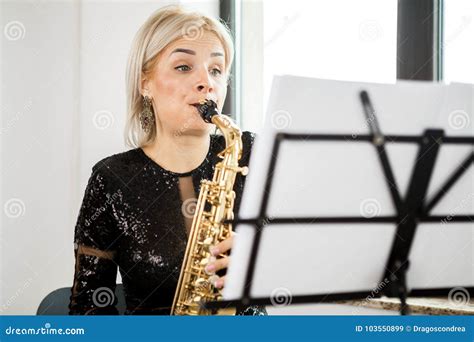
[145, 87]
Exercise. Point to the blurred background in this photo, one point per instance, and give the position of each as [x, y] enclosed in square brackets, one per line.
[62, 97]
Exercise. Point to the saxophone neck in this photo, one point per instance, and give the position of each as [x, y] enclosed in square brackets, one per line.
[230, 131]
[226, 125]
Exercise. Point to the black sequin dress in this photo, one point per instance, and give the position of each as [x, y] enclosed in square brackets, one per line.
[132, 219]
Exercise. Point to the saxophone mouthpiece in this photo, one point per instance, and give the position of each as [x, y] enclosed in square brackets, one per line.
[207, 109]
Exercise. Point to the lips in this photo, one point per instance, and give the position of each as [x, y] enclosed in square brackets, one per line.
[201, 102]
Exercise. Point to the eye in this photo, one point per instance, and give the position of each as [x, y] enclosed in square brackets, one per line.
[216, 72]
[183, 68]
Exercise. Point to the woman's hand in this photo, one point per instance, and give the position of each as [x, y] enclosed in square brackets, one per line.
[222, 262]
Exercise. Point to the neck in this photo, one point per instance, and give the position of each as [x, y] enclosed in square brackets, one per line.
[178, 153]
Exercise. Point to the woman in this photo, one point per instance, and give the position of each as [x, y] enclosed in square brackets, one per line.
[138, 205]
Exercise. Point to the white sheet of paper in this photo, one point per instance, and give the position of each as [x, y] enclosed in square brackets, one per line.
[346, 179]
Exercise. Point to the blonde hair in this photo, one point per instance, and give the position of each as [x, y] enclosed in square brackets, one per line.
[162, 28]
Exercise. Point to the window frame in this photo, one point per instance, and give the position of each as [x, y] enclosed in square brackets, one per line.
[420, 40]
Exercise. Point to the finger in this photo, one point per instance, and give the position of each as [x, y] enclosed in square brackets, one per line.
[217, 265]
[220, 282]
[223, 246]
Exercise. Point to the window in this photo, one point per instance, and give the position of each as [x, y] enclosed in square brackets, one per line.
[458, 41]
[338, 39]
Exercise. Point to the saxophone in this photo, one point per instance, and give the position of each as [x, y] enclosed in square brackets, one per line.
[209, 227]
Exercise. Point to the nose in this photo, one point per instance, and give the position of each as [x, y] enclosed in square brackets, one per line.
[204, 84]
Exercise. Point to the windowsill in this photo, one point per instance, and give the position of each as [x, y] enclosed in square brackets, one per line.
[421, 305]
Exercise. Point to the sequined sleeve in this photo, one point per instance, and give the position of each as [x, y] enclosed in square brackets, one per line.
[95, 273]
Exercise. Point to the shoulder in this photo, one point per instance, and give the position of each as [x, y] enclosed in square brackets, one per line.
[123, 165]
[248, 138]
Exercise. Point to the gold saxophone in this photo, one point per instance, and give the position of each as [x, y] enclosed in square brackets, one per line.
[214, 207]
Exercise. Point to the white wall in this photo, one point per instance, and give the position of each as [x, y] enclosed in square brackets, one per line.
[62, 108]
[39, 109]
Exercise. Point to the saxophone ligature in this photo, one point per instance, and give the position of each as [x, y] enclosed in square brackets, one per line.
[214, 208]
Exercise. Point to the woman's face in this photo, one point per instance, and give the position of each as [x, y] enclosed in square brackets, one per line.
[186, 72]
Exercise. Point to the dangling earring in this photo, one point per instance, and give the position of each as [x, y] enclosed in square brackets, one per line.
[147, 119]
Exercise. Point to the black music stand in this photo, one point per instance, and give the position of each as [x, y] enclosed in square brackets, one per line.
[410, 211]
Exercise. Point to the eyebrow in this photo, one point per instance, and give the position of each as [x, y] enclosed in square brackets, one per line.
[191, 52]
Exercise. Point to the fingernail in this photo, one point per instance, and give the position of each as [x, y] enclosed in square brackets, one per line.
[214, 250]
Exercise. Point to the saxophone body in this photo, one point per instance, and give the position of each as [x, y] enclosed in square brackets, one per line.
[214, 207]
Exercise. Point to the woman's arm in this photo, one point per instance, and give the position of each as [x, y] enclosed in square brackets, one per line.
[93, 290]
